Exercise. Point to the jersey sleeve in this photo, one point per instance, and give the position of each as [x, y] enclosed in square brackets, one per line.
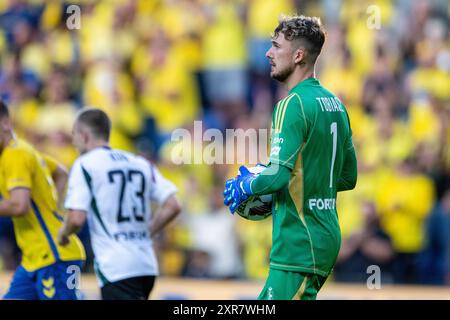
[79, 195]
[19, 167]
[160, 188]
[349, 174]
[289, 129]
[271, 180]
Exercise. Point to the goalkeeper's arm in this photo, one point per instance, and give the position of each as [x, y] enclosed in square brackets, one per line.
[349, 175]
[168, 211]
[272, 179]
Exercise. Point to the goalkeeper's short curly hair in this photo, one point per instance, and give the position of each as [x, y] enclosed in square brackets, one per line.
[305, 31]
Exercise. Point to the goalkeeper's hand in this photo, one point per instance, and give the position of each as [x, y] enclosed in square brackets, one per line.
[238, 189]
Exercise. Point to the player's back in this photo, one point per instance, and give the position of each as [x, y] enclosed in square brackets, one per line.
[22, 166]
[326, 145]
[119, 183]
[114, 187]
[323, 154]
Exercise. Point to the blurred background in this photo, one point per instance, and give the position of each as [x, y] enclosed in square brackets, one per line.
[157, 65]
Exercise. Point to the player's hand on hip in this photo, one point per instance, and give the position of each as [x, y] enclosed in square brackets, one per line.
[63, 240]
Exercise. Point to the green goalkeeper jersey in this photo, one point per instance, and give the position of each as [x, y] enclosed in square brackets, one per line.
[311, 136]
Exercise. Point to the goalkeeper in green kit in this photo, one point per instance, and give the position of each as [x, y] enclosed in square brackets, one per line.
[311, 159]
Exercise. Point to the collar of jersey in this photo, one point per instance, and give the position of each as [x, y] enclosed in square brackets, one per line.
[307, 81]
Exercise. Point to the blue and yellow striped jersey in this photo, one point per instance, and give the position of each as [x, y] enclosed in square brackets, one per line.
[21, 166]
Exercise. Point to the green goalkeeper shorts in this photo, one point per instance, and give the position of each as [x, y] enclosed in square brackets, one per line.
[288, 285]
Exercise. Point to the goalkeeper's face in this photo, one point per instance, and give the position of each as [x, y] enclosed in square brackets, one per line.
[281, 58]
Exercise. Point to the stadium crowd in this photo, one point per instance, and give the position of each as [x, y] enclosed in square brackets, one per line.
[158, 65]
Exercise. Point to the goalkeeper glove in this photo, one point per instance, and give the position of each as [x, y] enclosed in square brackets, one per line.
[238, 189]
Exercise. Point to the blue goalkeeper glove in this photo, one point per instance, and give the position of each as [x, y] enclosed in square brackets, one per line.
[238, 189]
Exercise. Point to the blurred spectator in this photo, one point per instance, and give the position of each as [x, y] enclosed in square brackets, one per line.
[435, 262]
[169, 92]
[381, 82]
[261, 18]
[341, 77]
[215, 233]
[225, 58]
[18, 20]
[13, 75]
[56, 135]
[9, 251]
[197, 264]
[368, 246]
[256, 244]
[404, 200]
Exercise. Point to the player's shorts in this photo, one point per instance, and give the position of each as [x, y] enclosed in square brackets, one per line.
[58, 281]
[136, 288]
[288, 285]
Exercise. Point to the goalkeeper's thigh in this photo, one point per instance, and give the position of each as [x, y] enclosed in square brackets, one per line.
[288, 285]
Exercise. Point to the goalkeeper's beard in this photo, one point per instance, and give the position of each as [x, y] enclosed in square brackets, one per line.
[282, 75]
